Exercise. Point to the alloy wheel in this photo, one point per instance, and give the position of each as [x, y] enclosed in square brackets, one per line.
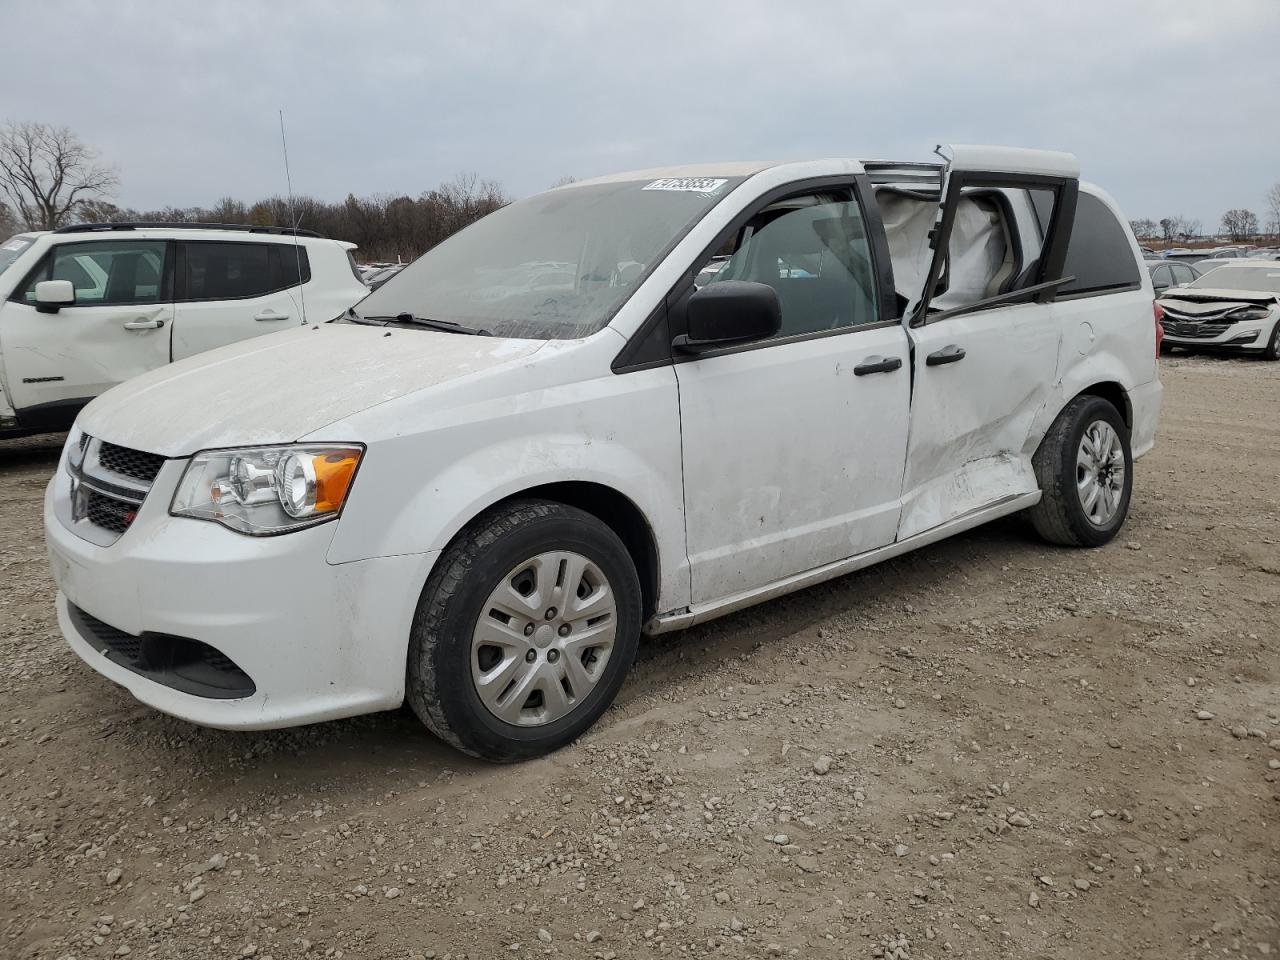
[1100, 472]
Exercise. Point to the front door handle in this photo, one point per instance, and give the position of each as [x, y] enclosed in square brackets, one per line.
[270, 314]
[951, 353]
[142, 323]
[877, 365]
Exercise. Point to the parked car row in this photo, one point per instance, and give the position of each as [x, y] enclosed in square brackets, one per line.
[1217, 254]
[631, 404]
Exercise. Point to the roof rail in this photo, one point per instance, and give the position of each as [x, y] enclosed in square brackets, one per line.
[182, 225]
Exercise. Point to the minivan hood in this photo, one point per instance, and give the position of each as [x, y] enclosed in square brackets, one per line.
[278, 388]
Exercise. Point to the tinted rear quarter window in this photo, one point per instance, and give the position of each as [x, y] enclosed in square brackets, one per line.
[1099, 256]
[235, 271]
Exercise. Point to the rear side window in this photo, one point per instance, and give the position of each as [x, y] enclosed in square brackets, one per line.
[236, 271]
[1099, 256]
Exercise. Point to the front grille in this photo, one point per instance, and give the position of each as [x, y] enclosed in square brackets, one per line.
[131, 463]
[109, 485]
[105, 637]
[108, 512]
[1196, 331]
[179, 662]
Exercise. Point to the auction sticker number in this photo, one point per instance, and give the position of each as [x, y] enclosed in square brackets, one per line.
[688, 184]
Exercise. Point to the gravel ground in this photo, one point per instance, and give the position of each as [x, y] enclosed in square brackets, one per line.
[987, 748]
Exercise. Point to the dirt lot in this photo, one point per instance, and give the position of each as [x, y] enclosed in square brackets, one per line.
[988, 748]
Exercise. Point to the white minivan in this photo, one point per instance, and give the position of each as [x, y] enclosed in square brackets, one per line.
[85, 307]
[558, 430]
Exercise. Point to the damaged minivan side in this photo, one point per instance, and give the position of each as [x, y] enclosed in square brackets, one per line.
[626, 405]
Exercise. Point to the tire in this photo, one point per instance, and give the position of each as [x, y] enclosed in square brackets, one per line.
[1272, 352]
[509, 549]
[1061, 516]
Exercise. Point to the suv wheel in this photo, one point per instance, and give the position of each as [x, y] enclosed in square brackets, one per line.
[1085, 470]
[524, 632]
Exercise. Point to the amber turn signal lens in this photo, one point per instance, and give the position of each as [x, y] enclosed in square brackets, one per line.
[333, 474]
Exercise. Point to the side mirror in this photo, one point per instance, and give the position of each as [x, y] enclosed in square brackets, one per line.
[53, 295]
[729, 313]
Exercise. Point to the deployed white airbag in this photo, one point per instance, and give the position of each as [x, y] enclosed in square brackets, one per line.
[979, 256]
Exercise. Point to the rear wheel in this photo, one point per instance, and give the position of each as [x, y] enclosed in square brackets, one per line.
[524, 632]
[1085, 470]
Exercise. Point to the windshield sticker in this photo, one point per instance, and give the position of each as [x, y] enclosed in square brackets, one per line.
[688, 184]
[17, 243]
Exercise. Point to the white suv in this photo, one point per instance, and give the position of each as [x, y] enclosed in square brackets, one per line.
[547, 436]
[86, 307]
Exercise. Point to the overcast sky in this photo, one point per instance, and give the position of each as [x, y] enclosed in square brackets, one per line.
[1170, 104]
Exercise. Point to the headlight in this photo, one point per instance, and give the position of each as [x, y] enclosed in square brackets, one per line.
[1250, 313]
[267, 490]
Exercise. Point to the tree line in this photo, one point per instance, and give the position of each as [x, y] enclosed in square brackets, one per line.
[49, 178]
[1239, 224]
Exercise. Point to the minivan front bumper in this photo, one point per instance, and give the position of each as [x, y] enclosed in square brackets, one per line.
[318, 640]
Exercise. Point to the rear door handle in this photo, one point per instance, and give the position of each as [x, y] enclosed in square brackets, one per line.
[270, 314]
[142, 323]
[877, 365]
[951, 353]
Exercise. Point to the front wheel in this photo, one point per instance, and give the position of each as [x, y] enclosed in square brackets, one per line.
[524, 632]
[1272, 352]
[1085, 470]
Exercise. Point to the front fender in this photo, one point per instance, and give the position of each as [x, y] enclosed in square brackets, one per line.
[415, 492]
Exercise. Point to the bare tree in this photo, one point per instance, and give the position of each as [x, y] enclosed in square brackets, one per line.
[1178, 228]
[47, 173]
[1239, 224]
[99, 211]
[1273, 209]
[1144, 229]
[8, 222]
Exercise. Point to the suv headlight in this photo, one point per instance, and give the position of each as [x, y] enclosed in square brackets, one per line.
[267, 490]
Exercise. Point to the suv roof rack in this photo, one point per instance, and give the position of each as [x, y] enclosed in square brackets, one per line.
[182, 225]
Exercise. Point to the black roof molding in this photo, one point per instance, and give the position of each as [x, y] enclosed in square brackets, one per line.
[165, 225]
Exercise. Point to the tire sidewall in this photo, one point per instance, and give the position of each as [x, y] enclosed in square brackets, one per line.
[467, 716]
[1091, 534]
[1272, 351]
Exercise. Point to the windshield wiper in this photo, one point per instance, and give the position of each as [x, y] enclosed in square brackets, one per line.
[409, 318]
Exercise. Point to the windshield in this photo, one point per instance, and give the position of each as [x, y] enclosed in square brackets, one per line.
[1261, 279]
[13, 248]
[555, 266]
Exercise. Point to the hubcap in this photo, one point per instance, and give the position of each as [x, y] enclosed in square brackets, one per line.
[543, 638]
[1100, 472]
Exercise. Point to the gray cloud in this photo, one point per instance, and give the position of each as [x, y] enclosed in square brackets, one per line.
[1167, 102]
